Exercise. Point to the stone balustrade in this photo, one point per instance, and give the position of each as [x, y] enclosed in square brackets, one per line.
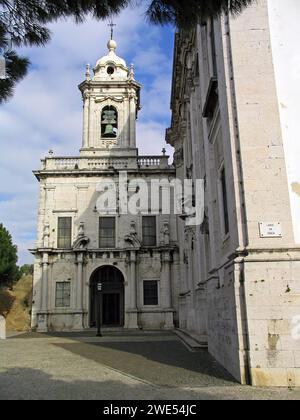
[104, 163]
[153, 161]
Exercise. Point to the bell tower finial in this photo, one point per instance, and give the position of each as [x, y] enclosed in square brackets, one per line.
[111, 25]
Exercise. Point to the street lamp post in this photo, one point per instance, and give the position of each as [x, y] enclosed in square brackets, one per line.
[99, 290]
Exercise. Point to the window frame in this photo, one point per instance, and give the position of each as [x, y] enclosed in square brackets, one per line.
[157, 296]
[212, 49]
[104, 246]
[154, 244]
[65, 302]
[59, 238]
[223, 202]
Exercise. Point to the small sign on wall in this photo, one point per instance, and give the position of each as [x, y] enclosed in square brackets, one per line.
[270, 230]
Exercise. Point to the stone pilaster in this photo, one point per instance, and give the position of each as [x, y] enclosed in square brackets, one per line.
[166, 279]
[132, 121]
[42, 321]
[79, 282]
[132, 313]
[91, 122]
[167, 290]
[78, 316]
[45, 271]
[86, 110]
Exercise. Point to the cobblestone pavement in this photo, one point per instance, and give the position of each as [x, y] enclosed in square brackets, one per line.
[131, 366]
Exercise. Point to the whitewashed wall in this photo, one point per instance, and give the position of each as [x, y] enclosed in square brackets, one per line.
[285, 35]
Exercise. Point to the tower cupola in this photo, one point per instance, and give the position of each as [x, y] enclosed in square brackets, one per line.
[111, 67]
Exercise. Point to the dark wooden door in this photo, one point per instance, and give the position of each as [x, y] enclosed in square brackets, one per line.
[111, 309]
[112, 297]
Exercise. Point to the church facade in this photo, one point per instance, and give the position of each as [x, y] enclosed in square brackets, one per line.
[125, 263]
[232, 126]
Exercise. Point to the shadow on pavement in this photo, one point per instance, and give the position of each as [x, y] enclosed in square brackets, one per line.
[32, 384]
[165, 362]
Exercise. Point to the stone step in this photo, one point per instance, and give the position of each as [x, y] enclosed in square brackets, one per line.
[192, 340]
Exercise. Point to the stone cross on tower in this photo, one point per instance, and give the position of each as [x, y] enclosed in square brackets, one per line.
[111, 25]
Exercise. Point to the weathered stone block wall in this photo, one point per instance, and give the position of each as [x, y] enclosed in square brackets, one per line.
[273, 302]
[224, 326]
[201, 312]
[155, 320]
[183, 312]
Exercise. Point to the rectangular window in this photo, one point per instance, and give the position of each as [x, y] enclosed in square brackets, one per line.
[107, 232]
[64, 234]
[225, 201]
[150, 293]
[149, 231]
[213, 48]
[63, 295]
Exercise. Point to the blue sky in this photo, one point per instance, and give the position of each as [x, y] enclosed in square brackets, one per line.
[46, 111]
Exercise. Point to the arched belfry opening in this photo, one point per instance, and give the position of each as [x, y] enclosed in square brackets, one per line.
[111, 299]
[109, 122]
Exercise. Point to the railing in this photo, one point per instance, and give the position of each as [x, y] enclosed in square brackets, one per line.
[150, 161]
[103, 163]
[64, 163]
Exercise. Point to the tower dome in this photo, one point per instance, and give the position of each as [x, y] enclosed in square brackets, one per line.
[111, 65]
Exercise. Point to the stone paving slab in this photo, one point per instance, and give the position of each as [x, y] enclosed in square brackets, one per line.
[48, 368]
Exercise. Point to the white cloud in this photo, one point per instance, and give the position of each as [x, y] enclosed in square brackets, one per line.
[152, 135]
[46, 111]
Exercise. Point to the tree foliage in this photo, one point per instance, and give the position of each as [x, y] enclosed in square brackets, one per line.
[9, 271]
[16, 67]
[24, 22]
[26, 270]
[186, 14]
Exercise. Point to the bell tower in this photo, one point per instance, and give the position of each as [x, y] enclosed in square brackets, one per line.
[111, 98]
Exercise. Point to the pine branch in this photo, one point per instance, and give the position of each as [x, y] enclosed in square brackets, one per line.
[24, 22]
[186, 14]
[16, 68]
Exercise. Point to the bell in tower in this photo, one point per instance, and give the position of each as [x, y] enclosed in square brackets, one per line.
[109, 122]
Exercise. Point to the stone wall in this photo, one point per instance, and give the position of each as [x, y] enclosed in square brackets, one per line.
[241, 295]
[273, 300]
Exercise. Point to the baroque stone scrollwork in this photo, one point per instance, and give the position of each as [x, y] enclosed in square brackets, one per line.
[118, 99]
[82, 240]
[178, 158]
[132, 237]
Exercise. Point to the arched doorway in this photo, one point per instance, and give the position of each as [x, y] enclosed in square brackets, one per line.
[111, 299]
